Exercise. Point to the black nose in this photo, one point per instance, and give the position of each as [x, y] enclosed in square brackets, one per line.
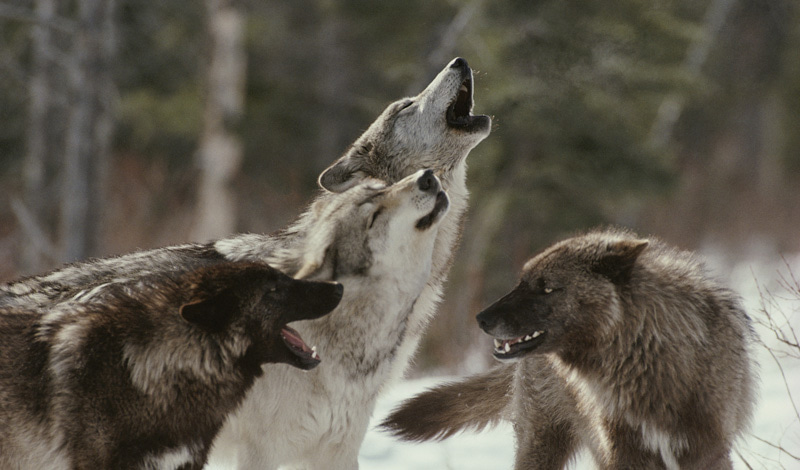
[486, 322]
[428, 183]
[458, 62]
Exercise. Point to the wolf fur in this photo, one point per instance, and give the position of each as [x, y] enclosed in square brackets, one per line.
[622, 345]
[434, 129]
[379, 246]
[143, 374]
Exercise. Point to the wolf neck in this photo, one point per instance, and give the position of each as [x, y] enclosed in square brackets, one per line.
[626, 374]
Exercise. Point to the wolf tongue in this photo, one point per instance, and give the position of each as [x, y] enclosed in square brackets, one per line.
[292, 338]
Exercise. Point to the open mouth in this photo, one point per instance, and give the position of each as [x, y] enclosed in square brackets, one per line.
[515, 347]
[439, 207]
[459, 114]
[307, 357]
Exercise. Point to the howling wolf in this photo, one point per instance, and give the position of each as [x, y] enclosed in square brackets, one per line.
[143, 374]
[622, 345]
[435, 129]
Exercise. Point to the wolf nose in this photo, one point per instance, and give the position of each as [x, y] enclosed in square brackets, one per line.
[428, 183]
[458, 62]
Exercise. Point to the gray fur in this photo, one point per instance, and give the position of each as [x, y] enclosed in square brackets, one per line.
[624, 346]
[114, 377]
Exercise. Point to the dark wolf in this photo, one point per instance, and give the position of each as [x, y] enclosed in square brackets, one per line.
[618, 344]
[143, 374]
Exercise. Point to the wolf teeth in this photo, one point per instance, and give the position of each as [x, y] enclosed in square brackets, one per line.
[507, 348]
[498, 344]
[463, 88]
[314, 354]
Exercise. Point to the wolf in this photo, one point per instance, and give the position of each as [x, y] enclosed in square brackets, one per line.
[142, 374]
[611, 342]
[379, 246]
[435, 129]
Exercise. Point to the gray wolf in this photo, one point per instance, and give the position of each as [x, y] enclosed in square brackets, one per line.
[377, 241]
[614, 343]
[143, 374]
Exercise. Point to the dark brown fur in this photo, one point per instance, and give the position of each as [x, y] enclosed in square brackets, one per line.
[128, 373]
[624, 346]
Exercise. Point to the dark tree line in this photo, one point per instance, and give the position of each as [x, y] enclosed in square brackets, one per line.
[128, 124]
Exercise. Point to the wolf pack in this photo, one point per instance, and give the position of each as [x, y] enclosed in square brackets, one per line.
[182, 357]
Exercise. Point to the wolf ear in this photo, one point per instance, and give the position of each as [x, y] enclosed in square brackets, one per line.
[212, 314]
[617, 262]
[343, 174]
[316, 257]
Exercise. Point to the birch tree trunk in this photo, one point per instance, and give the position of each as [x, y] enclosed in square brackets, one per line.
[220, 152]
[89, 132]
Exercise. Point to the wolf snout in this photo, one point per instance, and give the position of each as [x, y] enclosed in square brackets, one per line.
[428, 182]
[459, 62]
[487, 321]
[316, 298]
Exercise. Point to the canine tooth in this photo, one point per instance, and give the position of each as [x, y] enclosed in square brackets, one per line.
[463, 88]
[536, 334]
[497, 343]
[507, 347]
[528, 338]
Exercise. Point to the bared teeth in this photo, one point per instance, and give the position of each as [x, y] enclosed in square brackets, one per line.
[507, 348]
[463, 88]
[498, 344]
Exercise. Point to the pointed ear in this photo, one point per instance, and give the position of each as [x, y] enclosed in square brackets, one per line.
[316, 257]
[212, 314]
[617, 262]
[342, 175]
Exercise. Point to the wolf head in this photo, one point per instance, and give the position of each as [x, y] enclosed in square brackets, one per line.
[568, 295]
[435, 129]
[259, 301]
[373, 227]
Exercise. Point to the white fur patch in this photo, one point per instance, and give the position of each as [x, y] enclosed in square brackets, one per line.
[667, 446]
[87, 294]
[169, 460]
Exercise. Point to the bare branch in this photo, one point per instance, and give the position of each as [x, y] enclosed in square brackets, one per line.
[774, 446]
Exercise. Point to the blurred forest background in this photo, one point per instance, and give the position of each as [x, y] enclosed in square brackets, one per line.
[128, 124]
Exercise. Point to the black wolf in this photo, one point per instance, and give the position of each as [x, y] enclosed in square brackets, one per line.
[143, 374]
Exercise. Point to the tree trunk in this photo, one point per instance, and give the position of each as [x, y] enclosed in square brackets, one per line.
[40, 105]
[220, 151]
[89, 131]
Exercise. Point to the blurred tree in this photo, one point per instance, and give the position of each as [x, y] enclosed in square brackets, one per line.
[575, 88]
[43, 140]
[220, 151]
[89, 132]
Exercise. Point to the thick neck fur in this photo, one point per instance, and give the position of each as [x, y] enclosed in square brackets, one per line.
[651, 373]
